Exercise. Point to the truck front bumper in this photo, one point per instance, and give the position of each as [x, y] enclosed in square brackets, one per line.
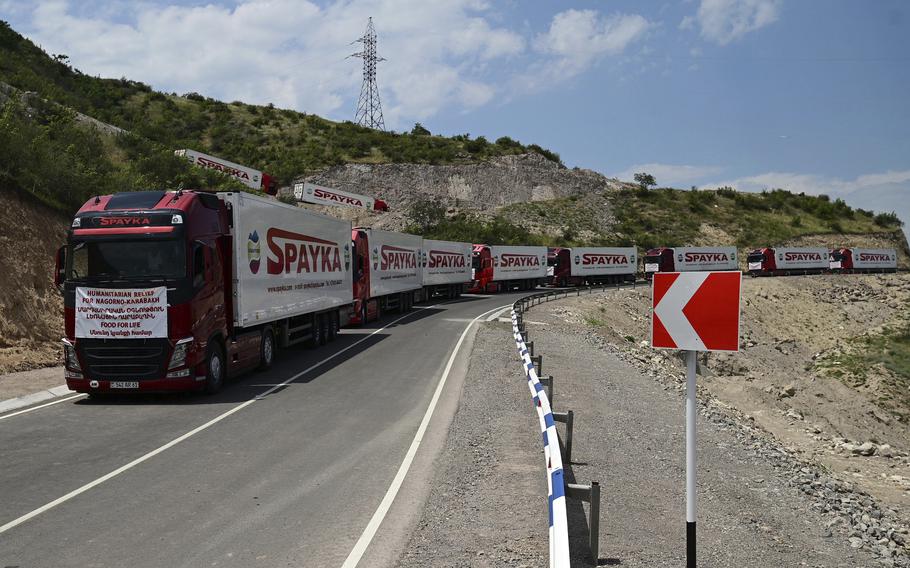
[145, 386]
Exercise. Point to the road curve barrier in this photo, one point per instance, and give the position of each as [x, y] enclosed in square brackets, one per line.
[556, 487]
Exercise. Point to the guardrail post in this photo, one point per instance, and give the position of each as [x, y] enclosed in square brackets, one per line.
[524, 335]
[530, 346]
[547, 382]
[591, 495]
[567, 418]
[538, 363]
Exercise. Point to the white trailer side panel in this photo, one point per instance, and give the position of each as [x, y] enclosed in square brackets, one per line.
[320, 195]
[695, 259]
[518, 262]
[603, 261]
[801, 258]
[869, 259]
[247, 176]
[446, 262]
[287, 260]
[394, 262]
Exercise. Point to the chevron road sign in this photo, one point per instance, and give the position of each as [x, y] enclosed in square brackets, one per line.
[696, 311]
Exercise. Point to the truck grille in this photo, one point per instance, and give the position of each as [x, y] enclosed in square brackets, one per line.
[124, 359]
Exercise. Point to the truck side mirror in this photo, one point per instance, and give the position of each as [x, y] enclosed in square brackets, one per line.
[60, 267]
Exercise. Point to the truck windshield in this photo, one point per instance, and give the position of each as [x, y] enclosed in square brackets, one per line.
[475, 261]
[146, 259]
[755, 257]
[653, 259]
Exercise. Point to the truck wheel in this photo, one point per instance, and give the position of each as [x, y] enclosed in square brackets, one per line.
[333, 326]
[323, 329]
[266, 349]
[316, 338]
[214, 368]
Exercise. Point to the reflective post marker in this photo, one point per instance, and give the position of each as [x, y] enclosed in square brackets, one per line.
[690, 459]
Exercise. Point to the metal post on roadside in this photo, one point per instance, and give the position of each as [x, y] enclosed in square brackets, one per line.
[690, 459]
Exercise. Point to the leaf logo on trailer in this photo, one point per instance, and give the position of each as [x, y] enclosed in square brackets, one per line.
[396, 258]
[295, 253]
[253, 252]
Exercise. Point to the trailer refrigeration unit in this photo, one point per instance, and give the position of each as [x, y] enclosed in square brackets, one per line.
[863, 260]
[387, 272]
[319, 195]
[776, 262]
[169, 291]
[446, 268]
[503, 268]
[580, 266]
[252, 178]
[690, 259]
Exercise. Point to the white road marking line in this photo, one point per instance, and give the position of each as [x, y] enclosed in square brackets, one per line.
[76, 492]
[497, 314]
[369, 532]
[58, 401]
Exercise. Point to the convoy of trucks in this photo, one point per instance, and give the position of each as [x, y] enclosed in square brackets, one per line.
[180, 290]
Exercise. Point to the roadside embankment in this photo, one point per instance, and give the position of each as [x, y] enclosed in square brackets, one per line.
[758, 505]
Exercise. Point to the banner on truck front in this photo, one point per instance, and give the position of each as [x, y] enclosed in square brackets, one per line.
[125, 313]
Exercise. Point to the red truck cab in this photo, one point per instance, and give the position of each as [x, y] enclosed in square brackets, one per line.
[658, 260]
[559, 260]
[178, 243]
[481, 270]
[761, 262]
[364, 309]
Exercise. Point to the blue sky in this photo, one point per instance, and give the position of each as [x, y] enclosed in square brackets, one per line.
[810, 95]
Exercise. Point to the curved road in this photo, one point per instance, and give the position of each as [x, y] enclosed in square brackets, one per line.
[259, 475]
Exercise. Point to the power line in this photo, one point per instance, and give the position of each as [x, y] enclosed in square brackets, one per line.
[369, 108]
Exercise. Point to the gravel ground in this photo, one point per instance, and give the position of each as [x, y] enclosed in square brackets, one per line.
[488, 505]
[757, 504]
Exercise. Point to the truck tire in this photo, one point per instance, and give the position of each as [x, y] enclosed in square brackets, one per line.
[316, 332]
[266, 349]
[214, 368]
[324, 329]
[333, 325]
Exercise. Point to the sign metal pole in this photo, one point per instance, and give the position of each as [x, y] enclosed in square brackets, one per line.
[690, 459]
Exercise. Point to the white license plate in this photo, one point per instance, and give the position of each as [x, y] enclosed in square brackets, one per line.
[124, 384]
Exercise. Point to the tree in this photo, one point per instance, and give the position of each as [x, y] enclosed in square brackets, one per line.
[419, 130]
[425, 214]
[645, 180]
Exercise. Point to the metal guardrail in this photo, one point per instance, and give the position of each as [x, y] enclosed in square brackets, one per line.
[556, 485]
[542, 392]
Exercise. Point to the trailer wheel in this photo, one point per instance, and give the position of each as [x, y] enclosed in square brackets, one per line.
[214, 368]
[333, 325]
[266, 349]
[323, 328]
[316, 332]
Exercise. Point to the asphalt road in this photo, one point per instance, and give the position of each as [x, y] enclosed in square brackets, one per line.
[291, 478]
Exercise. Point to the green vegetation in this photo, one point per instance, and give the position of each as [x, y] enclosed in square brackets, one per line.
[429, 220]
[888, 351]
[284, 143]
[668, 217]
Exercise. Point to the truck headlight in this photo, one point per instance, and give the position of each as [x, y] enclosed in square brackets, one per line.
[69, 356]
[178, 358]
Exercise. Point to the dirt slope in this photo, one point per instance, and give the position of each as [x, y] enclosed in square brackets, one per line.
[31, 321]
[794, 331]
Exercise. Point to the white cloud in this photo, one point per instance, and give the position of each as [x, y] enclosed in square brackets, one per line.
[290, 52]
[671, 175]
[577, 38]
[724, 21]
